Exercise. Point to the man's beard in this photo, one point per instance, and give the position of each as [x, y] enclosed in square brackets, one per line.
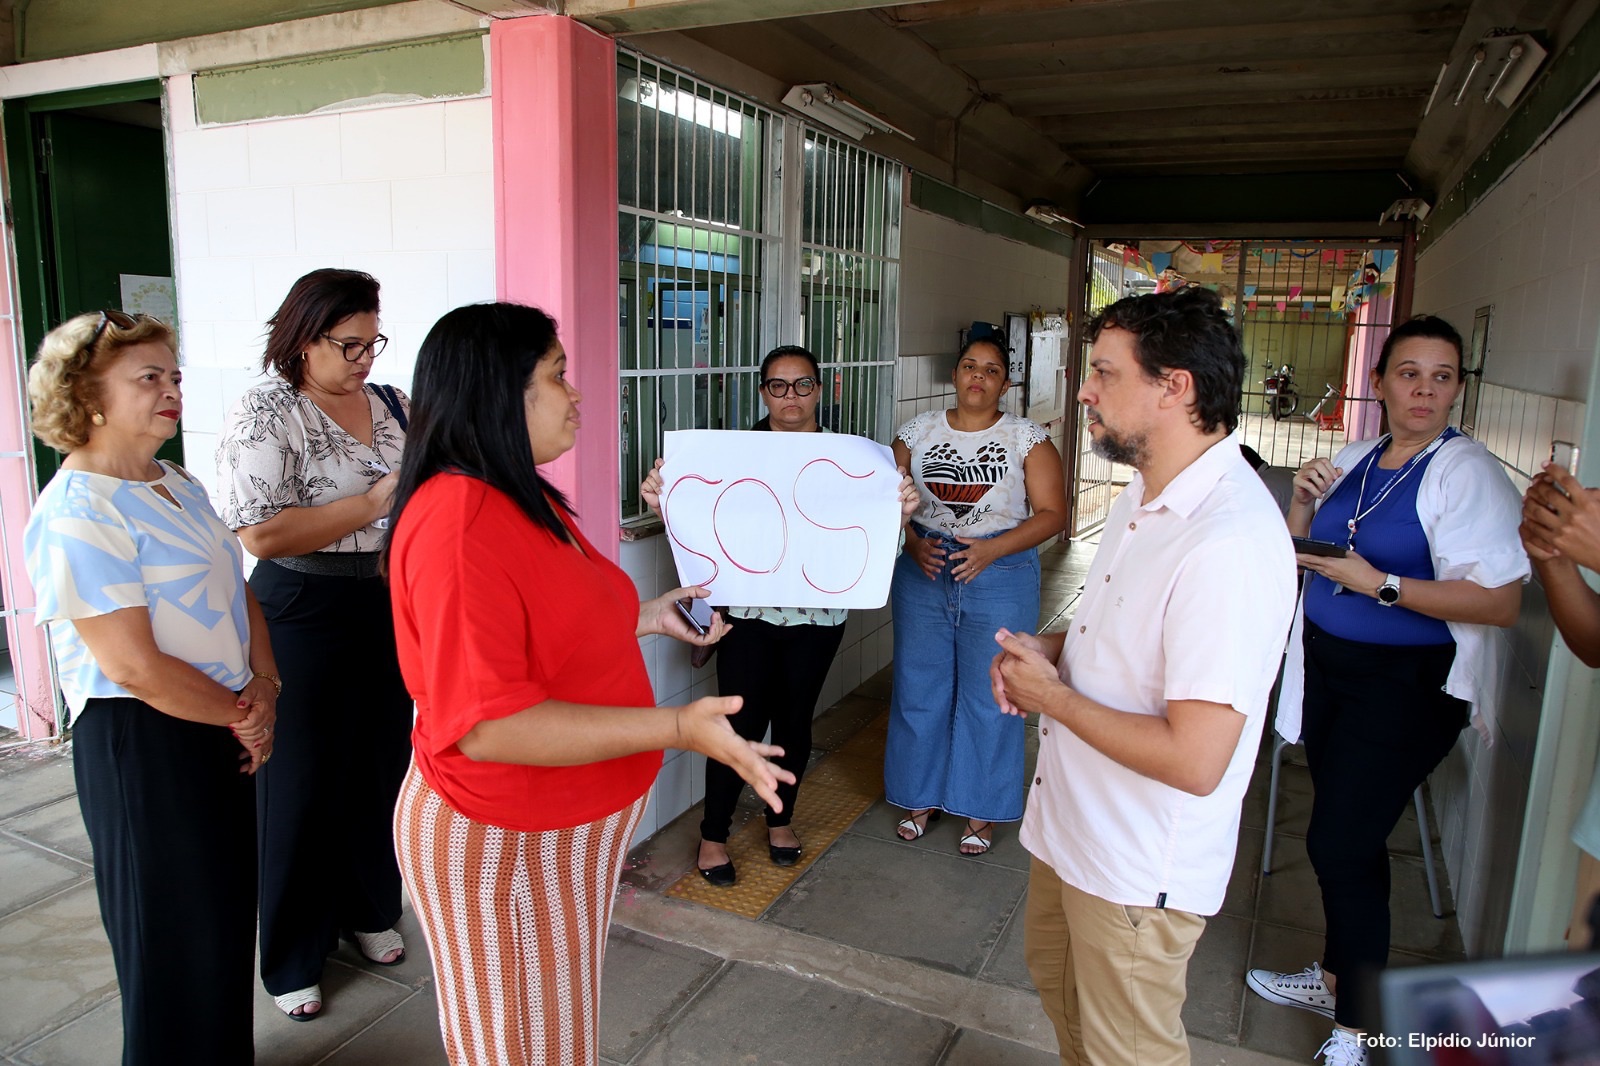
[1129, 451]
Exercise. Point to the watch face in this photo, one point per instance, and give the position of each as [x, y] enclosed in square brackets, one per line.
[1389, 594]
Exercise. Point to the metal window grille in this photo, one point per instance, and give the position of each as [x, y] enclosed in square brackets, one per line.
[850, 279]
[1321, 308]
[719, 263]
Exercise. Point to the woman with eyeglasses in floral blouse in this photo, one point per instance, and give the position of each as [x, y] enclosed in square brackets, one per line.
[306, 463]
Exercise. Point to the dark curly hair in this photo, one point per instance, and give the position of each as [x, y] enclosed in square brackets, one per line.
[1189, 330]
[1430, 326]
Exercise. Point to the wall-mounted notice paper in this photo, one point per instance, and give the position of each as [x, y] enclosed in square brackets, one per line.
[768, 519]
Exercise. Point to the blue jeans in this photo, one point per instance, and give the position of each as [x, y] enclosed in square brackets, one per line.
[949, 746]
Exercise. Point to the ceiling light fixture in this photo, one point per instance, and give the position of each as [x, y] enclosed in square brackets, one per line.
[1046, 212]
[826, 106]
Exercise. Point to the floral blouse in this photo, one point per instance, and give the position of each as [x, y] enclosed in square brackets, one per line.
[280, 450]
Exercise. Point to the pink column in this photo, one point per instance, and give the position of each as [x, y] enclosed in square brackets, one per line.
[30, 657]
[555, 161]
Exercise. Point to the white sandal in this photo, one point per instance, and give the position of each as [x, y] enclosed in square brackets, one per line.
[973, 840]
[293, 1004]
[376, 945]
[909, 823]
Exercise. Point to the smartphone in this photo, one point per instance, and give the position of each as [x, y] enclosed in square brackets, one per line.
[1307, 546]
[697, 612]
[1564, 453]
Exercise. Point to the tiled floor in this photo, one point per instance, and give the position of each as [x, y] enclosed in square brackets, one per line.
[880, 952]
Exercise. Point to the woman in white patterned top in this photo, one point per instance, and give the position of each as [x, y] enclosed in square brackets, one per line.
[164, 661]
[992, 492]
[777, 658]
[306, 467]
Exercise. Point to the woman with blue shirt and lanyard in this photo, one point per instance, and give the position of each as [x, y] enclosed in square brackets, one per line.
[1397, 650]
[164, 660]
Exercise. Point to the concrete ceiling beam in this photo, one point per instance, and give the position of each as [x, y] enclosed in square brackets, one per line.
[1092, 105]
[654, 16]
[1403, 68]
[1305, 151]
[1184, 121]
[1201, 139]
[1418, 24]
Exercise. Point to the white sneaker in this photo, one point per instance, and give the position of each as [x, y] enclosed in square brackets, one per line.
[1342, 1049]
[1305, 989]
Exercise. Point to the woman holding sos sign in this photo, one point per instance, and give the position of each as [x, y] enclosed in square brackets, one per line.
[991, 492]
[776, 658]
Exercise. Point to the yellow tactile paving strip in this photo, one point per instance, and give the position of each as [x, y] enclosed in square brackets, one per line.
[833, 795]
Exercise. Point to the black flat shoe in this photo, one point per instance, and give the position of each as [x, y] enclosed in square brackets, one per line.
[783, 856]
[722, 876]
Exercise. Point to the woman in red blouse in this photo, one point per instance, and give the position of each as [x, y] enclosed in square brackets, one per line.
[536, 736]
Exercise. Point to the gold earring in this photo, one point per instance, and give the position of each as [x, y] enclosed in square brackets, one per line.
[98, 418]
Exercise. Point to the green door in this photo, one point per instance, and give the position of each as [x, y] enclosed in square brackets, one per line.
[103, 213]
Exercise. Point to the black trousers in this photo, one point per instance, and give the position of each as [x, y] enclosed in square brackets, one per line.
[1377, 722]
[779, 670]
[325, 801]
[169, 817]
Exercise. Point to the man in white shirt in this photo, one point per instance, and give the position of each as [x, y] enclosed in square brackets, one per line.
[1152, 703]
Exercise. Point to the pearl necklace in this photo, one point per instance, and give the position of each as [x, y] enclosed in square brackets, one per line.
[1410, 465]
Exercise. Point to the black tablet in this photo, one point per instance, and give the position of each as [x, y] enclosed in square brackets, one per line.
[1307, 546]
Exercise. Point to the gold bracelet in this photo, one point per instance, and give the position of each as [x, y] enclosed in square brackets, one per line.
[277, 682]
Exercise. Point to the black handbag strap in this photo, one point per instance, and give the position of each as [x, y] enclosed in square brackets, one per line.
[391, 400]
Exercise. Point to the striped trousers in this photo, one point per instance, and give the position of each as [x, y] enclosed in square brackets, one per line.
[516, 925]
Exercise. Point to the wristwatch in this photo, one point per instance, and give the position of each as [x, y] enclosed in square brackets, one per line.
[1389, 591]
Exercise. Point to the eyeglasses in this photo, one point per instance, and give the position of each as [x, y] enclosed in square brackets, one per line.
[354, 350]
[112, 317]
[780, 388]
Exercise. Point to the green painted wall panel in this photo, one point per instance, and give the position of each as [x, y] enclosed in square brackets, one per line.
[938, 198]
[426, 70]
[48, 29]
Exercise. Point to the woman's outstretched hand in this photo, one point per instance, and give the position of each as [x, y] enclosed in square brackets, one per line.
[703, 726]
[661, 615]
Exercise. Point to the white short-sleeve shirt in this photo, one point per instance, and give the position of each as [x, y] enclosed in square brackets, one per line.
[1188, 598]
[97, 544]
[971, 484]
[280, 450]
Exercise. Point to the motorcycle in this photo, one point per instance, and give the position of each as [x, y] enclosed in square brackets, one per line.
[1283, 399]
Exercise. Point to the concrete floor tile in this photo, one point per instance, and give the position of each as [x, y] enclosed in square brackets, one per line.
[34, 776]
[91, 1040]
[32, 874]
[1245, 880]
[407, 1036]
[944, 836]
[1294, 798]
[1216, 987]
[1006, 964]
[972, 1048]
[57, 826]
[1412, 926]
[751, 1014]
[845, 719]
[354, 1000]
[1272, 1027]
[647, 981]
[945, 911]
[1289, 895]
[55, 964]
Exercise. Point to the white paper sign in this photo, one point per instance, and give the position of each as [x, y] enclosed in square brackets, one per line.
[768, 519]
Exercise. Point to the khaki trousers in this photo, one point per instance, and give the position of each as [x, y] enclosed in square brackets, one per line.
[1110, 977]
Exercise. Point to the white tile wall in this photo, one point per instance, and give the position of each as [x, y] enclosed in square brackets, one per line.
[405, 193]
[1531, 250]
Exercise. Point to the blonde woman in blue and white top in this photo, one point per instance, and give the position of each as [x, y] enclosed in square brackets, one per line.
[164, 661]
[992, 491]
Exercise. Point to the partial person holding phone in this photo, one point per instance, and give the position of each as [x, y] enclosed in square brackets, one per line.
[775, 658]
[1392, 653]
[1561, 532]
[537, 736]
[306, 466]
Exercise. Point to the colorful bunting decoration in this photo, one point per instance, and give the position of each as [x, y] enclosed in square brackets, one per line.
[1294, 292]
[1211, 263]
[1281, 305]
[1269, 259]
[1328, 255]
[1249, 290]
[1160, 261]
